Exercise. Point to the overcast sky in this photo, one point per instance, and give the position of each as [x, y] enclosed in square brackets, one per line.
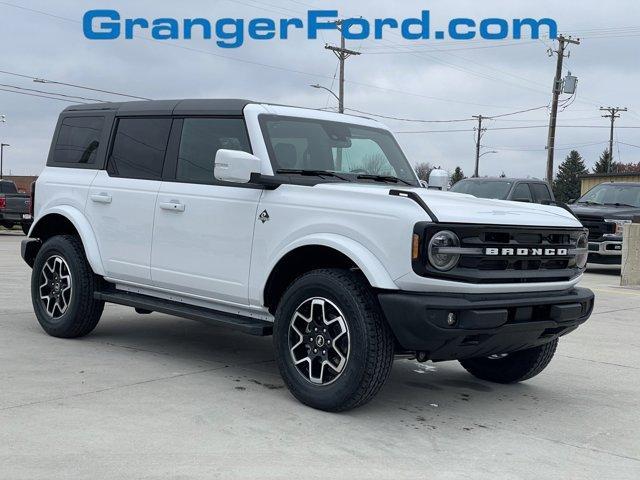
[433, 81]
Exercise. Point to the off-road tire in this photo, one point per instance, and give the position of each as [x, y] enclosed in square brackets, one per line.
[514, 367]
[371, 347]
[83, 311]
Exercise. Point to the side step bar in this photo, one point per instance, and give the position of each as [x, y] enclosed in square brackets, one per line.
[252, 326]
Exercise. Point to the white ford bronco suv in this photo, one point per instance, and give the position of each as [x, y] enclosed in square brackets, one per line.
[307, 225]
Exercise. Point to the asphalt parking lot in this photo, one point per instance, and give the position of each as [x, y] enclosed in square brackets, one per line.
[152, 396]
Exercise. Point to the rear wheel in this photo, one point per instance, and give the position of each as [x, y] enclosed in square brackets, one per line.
[333, 346]
[512, 367]
[62, 288]
[7, 225]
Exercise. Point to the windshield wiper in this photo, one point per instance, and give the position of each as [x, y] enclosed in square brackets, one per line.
[617, 204]
[383, 178]
[589, 202]
[312, 173]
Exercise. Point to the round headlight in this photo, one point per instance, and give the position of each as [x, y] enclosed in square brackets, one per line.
[438, 256]
[581, 257]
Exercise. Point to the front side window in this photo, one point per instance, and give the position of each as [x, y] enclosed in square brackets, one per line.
[354, 152]
[78, 140]
[139, 148]
[201, 139]
[483, 188]
[613, 194]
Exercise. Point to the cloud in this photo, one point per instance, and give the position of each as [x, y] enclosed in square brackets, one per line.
[447, 81]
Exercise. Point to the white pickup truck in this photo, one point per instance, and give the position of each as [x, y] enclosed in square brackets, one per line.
[307, 225]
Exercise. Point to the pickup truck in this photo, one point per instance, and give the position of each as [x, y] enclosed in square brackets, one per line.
[516, 189]
[604, 210]
[305, 225]
[14, 207]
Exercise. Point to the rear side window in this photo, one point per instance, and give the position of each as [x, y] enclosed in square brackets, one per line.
[522, 193]
[139, 147]
[541, 192]
[78, 140]
[201, 139]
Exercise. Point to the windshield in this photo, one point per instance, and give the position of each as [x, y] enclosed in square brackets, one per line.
[483, 188]
[613, 194]
[351, 152]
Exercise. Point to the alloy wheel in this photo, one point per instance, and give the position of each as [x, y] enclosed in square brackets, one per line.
[55, 286]
[319, 340]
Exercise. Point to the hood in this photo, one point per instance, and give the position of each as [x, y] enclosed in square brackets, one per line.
[605, 211]
[450, 207]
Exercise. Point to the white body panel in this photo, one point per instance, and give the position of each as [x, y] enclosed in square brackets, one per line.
[204, 248]
[205, 244]
[121, 210]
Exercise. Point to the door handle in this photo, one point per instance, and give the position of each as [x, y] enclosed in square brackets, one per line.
[172, 206]
[101, 198]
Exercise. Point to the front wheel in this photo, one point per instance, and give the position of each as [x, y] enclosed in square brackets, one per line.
[512, 367]
[333, 347]
[62, 288]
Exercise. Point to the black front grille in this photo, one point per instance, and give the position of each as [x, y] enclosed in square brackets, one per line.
[597, 226]
[477, 266]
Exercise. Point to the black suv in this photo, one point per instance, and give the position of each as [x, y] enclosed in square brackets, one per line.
[517, 189]
[604, 210]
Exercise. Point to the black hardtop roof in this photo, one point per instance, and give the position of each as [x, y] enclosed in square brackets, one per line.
[204, 106]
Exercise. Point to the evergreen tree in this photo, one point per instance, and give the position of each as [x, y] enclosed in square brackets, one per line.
[566, 185]
[457, 175]
[603, 163]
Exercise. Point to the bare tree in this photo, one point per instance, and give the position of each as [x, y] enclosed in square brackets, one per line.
[376, 164]
[423, 170]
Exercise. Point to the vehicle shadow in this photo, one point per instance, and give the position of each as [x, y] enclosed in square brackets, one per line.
[613, 270]
[414, 391]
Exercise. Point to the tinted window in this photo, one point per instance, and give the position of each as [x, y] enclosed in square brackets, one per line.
[78, 140]
[522, 193]
[139, 148]
[483, 188]
[541, 191]
[201, 139]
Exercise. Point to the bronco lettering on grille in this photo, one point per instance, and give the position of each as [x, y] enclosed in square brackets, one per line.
[526, 252]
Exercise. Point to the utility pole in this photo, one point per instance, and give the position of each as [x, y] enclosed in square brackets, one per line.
[480, 130]
[2, 145]
[342, 53]
[3, 119]
[557, 90]
[613, 114]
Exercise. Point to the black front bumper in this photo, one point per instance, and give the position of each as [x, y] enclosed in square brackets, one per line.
[484, 324]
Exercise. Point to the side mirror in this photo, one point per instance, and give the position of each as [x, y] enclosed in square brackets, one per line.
[571, 200]
[236, 166]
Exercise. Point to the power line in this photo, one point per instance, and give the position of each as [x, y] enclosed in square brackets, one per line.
[82, 87]
[521, 127]
[41, 96]
[50, 93]
[266, 65]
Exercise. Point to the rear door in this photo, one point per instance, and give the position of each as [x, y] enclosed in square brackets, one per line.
[203, 230]
[122, 198]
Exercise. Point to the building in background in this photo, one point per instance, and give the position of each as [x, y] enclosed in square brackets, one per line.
[23, 182]
[591, 180]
